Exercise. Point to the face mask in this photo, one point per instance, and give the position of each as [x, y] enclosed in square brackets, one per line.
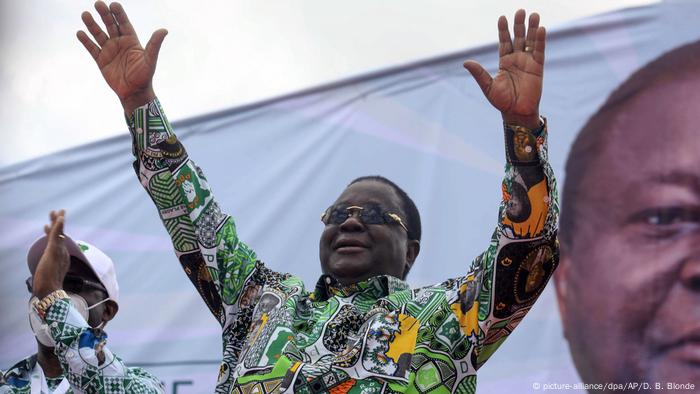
[41, 329]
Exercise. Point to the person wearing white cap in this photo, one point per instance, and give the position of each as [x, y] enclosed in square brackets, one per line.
[74, 294]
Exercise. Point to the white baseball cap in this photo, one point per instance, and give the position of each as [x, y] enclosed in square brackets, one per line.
[100, 264]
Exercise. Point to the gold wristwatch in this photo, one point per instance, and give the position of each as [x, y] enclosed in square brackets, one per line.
[42, 305]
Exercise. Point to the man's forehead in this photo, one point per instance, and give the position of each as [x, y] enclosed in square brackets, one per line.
[667, 100]
[369, 192]
[647, 147]
[654, 131]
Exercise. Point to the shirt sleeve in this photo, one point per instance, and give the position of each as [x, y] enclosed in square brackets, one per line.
[223, 269]
[77, 349]
[6, 388]
[503, 282]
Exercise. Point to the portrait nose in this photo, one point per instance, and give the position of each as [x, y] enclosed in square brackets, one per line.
[690, 274]
[352, 223]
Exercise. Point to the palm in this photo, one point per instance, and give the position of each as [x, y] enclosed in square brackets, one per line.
[127, 67]
[517, 86]
[124, 65]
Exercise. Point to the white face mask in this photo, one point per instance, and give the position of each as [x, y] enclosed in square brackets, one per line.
[41, 329]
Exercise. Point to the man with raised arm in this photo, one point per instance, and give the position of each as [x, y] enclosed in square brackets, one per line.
[74, 295]
[361, 329]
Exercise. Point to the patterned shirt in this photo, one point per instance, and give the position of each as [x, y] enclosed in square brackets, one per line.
[376, 336]
[76, 345]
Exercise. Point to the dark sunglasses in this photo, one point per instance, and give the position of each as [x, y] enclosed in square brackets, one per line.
[368, 214]
[73, 284]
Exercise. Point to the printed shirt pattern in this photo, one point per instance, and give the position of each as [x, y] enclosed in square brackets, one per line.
[75, 349]
[377, 336]
[17, 379]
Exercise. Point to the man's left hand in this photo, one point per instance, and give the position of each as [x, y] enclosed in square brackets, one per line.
[517, 87]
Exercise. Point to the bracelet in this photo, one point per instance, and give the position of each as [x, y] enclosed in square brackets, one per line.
[44, 304]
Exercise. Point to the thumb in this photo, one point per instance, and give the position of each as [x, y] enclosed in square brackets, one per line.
[481, 76]
[153, 45]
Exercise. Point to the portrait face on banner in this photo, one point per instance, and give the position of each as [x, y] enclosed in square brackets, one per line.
[629, 282]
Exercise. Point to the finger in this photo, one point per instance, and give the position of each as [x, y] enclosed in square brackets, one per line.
[48, 228]
[94, 29]
[540, 38]
[519, 30]
[505, 44]
[58, 228]
[125, 26]
[153, 45]
[533, 24]
[57, 214]
[56, 231]
[107, 19]
[482, 77]
[93, 49]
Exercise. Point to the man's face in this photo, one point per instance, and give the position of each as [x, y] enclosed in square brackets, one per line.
[354, 251]
[91, 294]
[629, 283]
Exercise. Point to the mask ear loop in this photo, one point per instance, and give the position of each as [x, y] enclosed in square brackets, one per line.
[98, 303]
[102, 323]
[78, 299]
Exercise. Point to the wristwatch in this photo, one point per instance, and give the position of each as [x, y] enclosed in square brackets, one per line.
[42, 305]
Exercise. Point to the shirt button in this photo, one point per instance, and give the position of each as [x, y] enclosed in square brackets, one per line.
[328, 280]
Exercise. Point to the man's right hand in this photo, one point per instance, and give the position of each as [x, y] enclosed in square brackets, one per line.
[127, 67]
[55, 261]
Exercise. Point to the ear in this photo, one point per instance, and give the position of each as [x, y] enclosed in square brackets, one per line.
[412, 250]
[561, 286]
[110, 310]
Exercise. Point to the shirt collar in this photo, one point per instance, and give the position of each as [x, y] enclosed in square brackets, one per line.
[377, 287]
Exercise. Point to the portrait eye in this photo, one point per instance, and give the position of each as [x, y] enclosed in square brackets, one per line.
[667, 222]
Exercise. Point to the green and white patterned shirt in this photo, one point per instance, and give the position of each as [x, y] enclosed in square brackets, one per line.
[83, 373]
[377, 336]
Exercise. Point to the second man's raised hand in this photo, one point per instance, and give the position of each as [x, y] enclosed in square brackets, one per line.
[55, 261]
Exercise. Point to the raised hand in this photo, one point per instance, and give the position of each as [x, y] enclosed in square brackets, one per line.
[127, 67]
[517, 87]
[55, 261]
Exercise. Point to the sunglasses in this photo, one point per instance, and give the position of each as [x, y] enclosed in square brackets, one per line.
[368, 214]
[73, 284]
